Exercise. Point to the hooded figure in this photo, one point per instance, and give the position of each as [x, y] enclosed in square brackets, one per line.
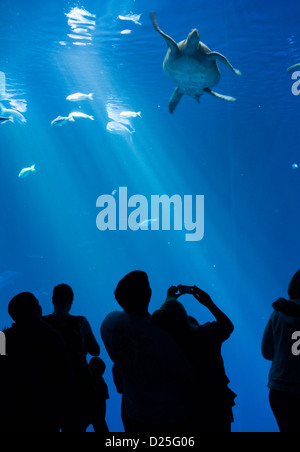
[281, 345]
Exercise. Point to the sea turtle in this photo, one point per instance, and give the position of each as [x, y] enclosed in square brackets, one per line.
[192, 66]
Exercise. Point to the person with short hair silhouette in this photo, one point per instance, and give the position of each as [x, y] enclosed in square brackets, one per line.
[202, 346]
[152, 371]
[36, 374]
[80, 341]
[281, 345]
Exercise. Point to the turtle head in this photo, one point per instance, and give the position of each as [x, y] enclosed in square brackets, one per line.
[192, 41]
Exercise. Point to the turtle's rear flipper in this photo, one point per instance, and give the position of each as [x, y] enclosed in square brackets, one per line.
[220, 96]
[175, 99]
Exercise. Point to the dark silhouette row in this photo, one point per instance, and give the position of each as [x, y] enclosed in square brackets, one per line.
[168, 367]
[49, 385]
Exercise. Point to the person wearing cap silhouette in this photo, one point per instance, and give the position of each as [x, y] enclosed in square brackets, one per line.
[281, 345]
[150, 369]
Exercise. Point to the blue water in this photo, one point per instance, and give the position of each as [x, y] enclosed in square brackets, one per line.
[241, 156]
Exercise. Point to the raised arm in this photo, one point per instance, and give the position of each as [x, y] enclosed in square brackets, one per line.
[222, 319]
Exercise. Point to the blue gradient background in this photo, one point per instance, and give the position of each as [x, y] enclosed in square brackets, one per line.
[239, 156]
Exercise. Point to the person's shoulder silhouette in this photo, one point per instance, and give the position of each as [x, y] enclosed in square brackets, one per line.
[37, 374]
[76, 330]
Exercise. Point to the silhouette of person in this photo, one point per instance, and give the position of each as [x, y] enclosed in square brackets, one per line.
[80, 341]
[150, 370]
[35, 373]
[99, 395]
[202, 345]
[280, 345]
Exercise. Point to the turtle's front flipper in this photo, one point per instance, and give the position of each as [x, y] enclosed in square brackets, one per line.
[170, 42]
[219, 96]
[219, 57]
[175, 99]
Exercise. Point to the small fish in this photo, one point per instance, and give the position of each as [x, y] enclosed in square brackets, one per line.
[77, 97]
[61, 120]
[118, 128]
[131, 114]
[131, 17]
[292, 68]
[126, 32]
[26, 171]
[11, 113]
[79, 114]
[144, 224]
[4, 120]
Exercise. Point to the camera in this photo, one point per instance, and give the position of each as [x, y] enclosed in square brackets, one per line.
[185, 290]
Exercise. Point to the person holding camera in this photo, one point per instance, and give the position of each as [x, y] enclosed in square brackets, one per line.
[150, 370]
[202, 346]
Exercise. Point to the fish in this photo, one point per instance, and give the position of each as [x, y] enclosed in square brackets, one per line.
[62, 120]
[292, 68]
[144, 224]
[79, 114]
[131, 114]
[131, 17]
[4, 120]
[119, 128]
[77, 97]
[26, 171]
[126, 32]
[13, 114]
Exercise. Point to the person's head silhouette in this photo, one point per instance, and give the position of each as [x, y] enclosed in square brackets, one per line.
[24, 308]
[98, 365]
[133, 293]
[294, 287]
[62, 299]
